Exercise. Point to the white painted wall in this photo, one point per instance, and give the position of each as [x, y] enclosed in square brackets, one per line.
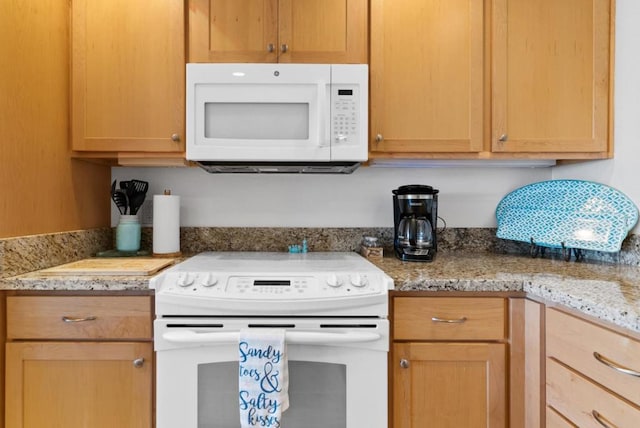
[468, 196]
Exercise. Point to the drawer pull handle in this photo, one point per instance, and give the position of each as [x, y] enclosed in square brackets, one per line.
[449, 321]
[607, 362]
[138, 362]
[72, 319]
[600, 419]
[404, 363]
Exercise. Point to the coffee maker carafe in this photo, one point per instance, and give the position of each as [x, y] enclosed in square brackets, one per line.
[415, 214]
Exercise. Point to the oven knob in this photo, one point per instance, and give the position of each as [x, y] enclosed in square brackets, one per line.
[358, 281]
[209, 280]
[333, 280]
[184, 280]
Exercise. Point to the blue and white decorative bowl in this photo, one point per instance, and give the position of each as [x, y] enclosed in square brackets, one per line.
[567, 214]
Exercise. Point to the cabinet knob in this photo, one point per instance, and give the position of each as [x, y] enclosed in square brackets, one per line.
[284, 48]
[138, 362]
[503, 138]
[379, 138]
[270, 48]
[175, 137]
[404, 363]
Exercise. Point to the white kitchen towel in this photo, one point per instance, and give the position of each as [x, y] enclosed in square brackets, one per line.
[263, 380]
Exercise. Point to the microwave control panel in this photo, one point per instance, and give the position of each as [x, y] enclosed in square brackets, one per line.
[345, 113]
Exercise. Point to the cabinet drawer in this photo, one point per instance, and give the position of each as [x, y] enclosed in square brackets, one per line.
[449, 318]
[556, 420]
[584, 402]
[574, 342]
[73, 317]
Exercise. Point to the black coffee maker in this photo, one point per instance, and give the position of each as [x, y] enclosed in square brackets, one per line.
[415, 214]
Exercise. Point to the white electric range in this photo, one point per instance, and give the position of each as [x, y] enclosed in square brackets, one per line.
[333, 307]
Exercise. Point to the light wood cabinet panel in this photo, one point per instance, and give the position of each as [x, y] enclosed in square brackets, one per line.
[233, 31]
[449, 318]
[585, 403]
[75, 317]
[93, 385]
[574, 342]
[556, 420]
[128, 75]
[426, 77]
[551, 76]
[526, 363]
[449, 385]
[301, 31]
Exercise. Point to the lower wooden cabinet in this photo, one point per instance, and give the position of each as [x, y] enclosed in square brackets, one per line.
[449, 385]
[79, 362]
[448, 362]
[592, 374]
[65, 384]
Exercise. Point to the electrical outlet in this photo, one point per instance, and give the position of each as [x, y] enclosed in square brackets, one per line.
[146, 213]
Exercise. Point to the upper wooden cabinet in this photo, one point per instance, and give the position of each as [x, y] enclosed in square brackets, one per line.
[551, 76]
[305, 31]
[426, 77]
[127, 81]
[493, 79]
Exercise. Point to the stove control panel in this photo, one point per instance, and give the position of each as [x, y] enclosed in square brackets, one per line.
[273, 287]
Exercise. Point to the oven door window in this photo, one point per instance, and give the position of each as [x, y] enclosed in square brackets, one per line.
[317, 395]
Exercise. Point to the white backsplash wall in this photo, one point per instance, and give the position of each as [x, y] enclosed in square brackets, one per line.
[468, 196]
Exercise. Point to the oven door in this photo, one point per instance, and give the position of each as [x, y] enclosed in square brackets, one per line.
[337, 372]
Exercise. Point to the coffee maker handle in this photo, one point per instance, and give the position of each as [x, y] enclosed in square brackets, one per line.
[412, 233]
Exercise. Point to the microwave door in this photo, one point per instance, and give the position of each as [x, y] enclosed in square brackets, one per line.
[262, 122]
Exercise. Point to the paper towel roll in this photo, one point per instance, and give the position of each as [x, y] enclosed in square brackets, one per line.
[166, 224]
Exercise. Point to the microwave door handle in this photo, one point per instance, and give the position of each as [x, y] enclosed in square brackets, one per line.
[292, 337]
[323, 122]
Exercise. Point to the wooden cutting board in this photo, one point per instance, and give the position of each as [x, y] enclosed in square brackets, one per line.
[111, 266]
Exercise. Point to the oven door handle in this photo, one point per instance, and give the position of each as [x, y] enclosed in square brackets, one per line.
[291, 337]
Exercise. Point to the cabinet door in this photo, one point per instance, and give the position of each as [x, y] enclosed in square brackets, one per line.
[426, 77]
[233, 31]
[91, 384]
[551, 64]
[304, 31]
[323, 31]
[128, 75]
[449, 385]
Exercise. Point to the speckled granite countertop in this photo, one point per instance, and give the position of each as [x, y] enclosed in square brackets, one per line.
[606, 291]
[36, 281]
[609, 292]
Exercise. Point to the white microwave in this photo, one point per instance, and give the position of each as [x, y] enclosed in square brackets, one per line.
[277, 117]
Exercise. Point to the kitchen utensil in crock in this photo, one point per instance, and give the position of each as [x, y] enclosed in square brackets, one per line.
[135, 202]
[136, 191]
[138, 186]
[120, 199]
